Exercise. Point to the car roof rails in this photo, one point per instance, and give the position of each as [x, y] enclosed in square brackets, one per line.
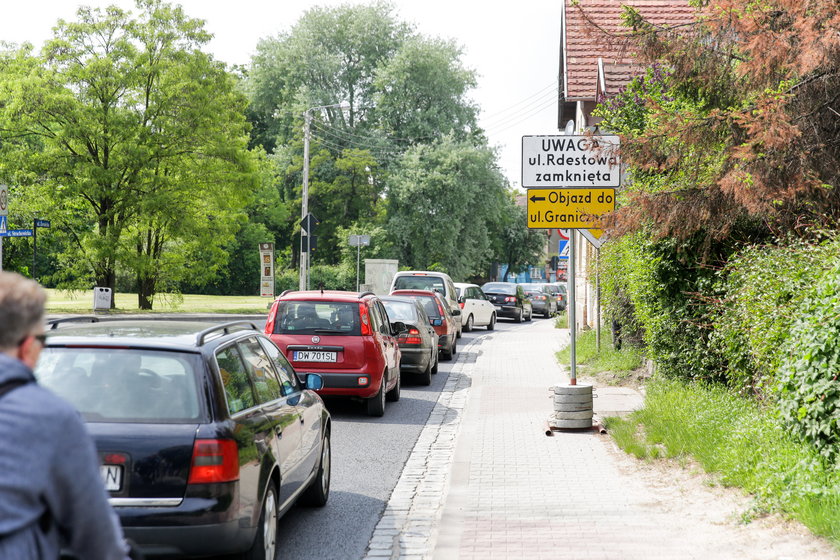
[286, 292]
[53, 323]
[363, 294]
[225, 328]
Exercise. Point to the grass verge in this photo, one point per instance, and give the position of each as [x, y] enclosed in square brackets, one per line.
[61, 301]
[606, 359]
[740, 442]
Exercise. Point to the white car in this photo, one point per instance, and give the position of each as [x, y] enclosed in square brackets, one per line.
[476, 309]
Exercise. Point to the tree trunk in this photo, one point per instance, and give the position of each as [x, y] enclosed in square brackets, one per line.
[145, 292]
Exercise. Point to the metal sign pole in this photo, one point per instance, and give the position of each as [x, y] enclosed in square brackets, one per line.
[358, 256]
[304, 244]
[572, 305]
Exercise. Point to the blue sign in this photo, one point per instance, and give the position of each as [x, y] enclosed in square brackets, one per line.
[563, 248]
[17, 233]
[42, 223]
[3, 225]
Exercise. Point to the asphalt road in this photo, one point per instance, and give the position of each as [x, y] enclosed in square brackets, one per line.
[368, 458]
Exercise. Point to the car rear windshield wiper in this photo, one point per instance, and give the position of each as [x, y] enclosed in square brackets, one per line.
[330, 331]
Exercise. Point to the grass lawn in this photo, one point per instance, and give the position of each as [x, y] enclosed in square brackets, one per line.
[61, 301]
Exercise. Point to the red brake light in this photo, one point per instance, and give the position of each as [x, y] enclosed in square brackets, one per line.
[440, 309]
[367, 329]
[461, 305]
[214, 460]
[269, 324]
[510, 298]
[413, 337]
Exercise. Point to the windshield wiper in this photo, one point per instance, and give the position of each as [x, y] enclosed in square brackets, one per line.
[330, 331]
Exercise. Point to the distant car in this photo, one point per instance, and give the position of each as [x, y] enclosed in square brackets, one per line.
[419, 346]
[562, 296]
[543, 298]
[510, 300]
[434, 281]
[206, 435]
[346, 337]
[440, 318]
[476, 309]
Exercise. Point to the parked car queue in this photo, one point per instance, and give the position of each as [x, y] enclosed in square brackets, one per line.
[211, 432]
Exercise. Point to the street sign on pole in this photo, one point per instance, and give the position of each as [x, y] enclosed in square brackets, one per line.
[569, 208]
[17, 233]
[358, 241]
[571, 161]
[594, 236]
[42, 223]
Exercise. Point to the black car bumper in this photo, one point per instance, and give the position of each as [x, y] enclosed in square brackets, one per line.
[414, 360]
[509, 311]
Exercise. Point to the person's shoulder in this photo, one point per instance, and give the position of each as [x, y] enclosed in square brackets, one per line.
[49, 404]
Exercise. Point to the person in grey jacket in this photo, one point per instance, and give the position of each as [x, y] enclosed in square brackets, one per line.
[51, 493]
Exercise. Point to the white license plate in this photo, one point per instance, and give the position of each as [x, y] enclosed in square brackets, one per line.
[498, 307]
[112, 477]
[313, 356]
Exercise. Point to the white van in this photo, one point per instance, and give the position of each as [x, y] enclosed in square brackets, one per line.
[433, 281]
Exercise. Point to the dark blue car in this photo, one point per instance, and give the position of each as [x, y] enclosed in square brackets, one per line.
[205, 432]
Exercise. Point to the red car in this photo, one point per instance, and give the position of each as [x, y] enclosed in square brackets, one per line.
[440, 317]
[346, 338]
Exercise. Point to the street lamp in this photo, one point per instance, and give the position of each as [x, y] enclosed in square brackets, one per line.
[304, 235]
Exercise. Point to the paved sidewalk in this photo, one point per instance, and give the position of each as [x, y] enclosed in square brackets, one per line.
[485, 482]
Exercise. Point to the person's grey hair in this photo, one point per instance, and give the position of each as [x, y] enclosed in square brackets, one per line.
[21, 308]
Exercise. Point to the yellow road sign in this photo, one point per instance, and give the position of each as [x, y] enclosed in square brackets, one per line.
[569, 208]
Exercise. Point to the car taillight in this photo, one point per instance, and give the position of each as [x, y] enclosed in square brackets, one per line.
[413, 337]
[538, 298]
[440, 309]
[367, 329]
[461, 305]
[214, 460]
[269, 324]
[510, 299]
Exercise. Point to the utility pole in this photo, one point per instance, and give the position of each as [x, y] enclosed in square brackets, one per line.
[305, 248]
[304, 237]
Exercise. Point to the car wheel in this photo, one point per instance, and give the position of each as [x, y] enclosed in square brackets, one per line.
[426, 376]
[454, 347]
[492, 324]
[394, 394]
[376, 404]
[318, 492]
[469, 326]
[435, 366]
[265, 541]
[460, 332]
[519, 316]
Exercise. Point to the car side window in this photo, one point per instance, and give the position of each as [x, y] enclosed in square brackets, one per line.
[384, 324]
[235, 380]
[288, 379]
[262, 375]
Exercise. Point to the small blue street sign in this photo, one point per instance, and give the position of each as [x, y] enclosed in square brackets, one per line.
[563, 248]
[42, 223]
[3, 225]
[17, 233]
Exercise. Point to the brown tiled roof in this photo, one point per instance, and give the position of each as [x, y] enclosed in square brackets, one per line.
[585, 44]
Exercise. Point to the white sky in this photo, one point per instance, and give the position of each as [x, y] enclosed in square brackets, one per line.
[513, 48]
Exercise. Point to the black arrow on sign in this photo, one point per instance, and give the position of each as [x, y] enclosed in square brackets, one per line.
[536, 198]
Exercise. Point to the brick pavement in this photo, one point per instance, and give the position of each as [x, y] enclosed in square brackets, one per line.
[484, 481]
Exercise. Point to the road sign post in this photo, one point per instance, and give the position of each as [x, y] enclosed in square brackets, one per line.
[358, 241]
[4, 212]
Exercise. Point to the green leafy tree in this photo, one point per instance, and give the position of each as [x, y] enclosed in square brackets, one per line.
[129, 127]
[445, 201]
[517, 245]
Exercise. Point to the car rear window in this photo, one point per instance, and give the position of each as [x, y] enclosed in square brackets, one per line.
[124, 385]
[430, 305]
[317, 317]
[431, 283]
[500, 288]
[400, 311]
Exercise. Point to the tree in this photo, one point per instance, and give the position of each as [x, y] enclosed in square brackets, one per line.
[519, 246]
[130, 127]
[748, 128]
[445, 201]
